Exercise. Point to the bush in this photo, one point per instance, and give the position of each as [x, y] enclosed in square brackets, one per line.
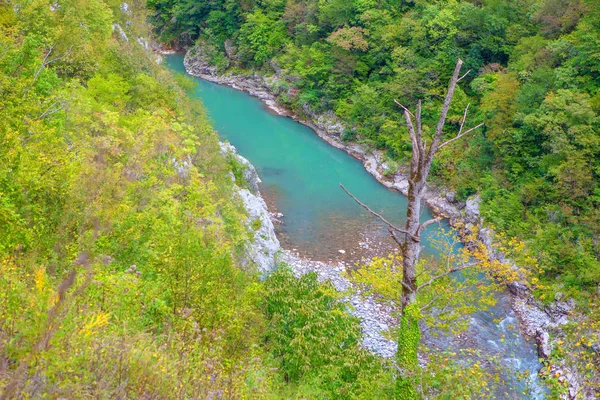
[316, 343]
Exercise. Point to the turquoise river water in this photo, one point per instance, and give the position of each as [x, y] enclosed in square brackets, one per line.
[301, 175]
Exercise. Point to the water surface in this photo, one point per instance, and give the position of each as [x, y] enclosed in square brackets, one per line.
[301, 176]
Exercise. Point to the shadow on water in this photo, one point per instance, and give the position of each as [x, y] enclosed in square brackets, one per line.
[301, 176]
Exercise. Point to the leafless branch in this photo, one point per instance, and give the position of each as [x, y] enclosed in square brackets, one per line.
[396, 239]
[44, 64]
[404, 284]
[421, 143]
[426, 224]
[430, 221]
[49, 111]
[460, 135]
[462, 77]
[443, 115]
[464, 118]
[366, 207]
[426, 306]
[404, 108]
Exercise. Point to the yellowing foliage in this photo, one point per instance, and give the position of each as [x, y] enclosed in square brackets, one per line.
[95, 323]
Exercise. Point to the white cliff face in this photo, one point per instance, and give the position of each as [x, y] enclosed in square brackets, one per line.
[250, 175]
[260, 252]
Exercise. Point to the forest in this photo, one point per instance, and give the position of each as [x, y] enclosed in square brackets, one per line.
[122, 237]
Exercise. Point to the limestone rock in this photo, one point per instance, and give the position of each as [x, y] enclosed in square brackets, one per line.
[117, 28]
[261, 252]
[250, 175]
[451, 197]
[543, 341]
[230, 49]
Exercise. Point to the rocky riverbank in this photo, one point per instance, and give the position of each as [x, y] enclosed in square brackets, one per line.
[264, 252]
[536, 321]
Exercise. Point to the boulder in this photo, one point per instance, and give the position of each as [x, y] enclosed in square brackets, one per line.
[451, 197]
[543, 341]
[472, 209]
[230, 49]
[250, 175]
[518, 289]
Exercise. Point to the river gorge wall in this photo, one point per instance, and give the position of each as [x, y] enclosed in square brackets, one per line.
[537, 321]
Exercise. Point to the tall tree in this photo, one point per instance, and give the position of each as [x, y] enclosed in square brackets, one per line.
[420, 165]
[422, 158]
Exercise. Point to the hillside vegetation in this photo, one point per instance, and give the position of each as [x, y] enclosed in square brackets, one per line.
[120, 233]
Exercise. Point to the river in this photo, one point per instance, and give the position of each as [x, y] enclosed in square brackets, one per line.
[301, 175]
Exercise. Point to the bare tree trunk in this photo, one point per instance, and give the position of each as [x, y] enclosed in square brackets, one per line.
[422, 157]
[411, 246]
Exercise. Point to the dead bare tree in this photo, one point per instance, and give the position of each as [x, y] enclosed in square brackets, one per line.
[420, 165]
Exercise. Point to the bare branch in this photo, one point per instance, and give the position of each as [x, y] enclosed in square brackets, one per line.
[67, 53]
[443, 115]
[459, 136]
[472, 129]
[366, 207]
[405, 285]
[404, 108]
[411, 127]
[427, 223]
[44, 64]
[421, 143]
[462, 77]
[464, 118]
[49, 111]
[431, 221]
[426, 306]
[417, 155]
[396, 239]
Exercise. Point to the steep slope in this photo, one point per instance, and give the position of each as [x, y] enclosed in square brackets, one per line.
[120, 233]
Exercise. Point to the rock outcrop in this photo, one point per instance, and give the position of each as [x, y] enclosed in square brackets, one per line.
[261, 251]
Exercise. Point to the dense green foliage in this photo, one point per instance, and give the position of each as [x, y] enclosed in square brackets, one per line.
[314, 340]
[534, 81]
[120, 234]
[104, 164]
